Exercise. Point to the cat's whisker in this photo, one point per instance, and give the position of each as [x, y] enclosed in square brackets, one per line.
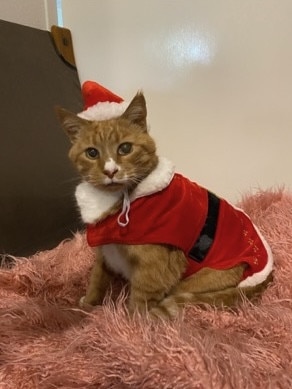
[137, 180]
[71, 180]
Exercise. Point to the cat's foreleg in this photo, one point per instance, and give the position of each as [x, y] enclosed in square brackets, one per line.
[99, 282]
[157, 269]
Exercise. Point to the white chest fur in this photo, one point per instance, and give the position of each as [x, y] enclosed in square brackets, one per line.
[115, 260]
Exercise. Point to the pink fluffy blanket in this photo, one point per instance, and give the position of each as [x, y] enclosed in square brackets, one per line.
[47, 342]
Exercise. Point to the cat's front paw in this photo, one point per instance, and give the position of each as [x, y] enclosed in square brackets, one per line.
[167, 309]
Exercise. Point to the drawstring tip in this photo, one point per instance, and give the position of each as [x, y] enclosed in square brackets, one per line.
[121, 223]
[125, 210]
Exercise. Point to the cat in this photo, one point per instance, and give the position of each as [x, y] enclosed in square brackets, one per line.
[174, 241]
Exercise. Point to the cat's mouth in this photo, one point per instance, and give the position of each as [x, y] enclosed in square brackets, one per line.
[115, 183]
[113, 186]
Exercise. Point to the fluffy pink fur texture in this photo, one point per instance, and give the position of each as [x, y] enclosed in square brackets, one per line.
[46, 341]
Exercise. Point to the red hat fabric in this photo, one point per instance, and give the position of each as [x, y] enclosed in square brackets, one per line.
[94, 93]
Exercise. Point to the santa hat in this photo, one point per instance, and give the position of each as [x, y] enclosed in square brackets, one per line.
[100, 103]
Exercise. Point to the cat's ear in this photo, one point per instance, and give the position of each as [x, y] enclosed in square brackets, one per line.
[71, 123]
[137, 111]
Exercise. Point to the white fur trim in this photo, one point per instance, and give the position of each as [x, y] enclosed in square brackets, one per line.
[104, 111]
[94, 202]
[157, 180]
[258, 278]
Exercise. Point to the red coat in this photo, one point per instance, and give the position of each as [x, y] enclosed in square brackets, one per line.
[176, 216]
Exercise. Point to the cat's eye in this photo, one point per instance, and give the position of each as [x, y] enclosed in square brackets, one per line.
[125, 148]
[92, 153]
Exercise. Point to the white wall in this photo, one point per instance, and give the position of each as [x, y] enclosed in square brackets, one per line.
[217, 75]
[33, 13]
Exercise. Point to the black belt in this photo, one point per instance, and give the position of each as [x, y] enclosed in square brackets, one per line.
[205, 240]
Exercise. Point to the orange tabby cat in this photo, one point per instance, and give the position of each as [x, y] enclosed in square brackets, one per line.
[174, 241]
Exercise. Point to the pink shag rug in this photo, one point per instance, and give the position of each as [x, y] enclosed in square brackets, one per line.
[47, 342]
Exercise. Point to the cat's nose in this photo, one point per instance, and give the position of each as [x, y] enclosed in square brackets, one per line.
[110, 173]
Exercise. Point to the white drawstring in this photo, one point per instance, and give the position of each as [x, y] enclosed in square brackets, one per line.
[125, 210]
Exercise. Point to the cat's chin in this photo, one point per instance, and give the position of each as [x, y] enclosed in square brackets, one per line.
[113, 187]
